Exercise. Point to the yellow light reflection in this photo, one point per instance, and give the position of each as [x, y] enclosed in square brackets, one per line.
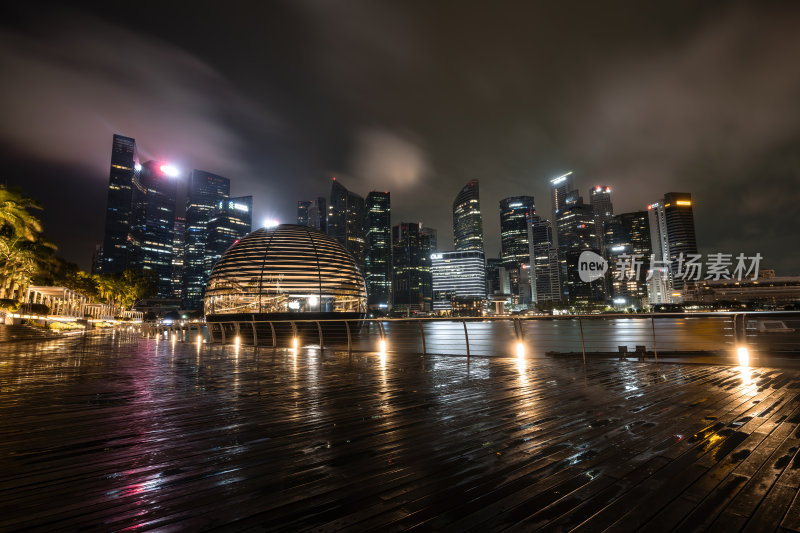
[520, 349]
[295, 343]
[382, 347]
[743, 354]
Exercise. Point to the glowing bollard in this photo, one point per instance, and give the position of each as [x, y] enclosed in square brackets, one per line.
[520, 349]
[743, 354]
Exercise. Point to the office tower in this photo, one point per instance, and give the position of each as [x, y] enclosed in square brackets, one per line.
[546, 275]
[515, 250]
[560, 188]
[458, 276]
[114, 256]
[178, 256]
[514, 215]
[432, 239]
[346, 220]
[153, 222]
[467, 221]
[600, 200]
[232, 219]
[318, 214]
[302, 212]
[378, 258]
[576, 234]
[411, 277]
[672, 233]
[497, 281]
[627, 242]
[205, 192]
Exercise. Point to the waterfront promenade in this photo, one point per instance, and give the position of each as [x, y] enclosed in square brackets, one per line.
[119, 432]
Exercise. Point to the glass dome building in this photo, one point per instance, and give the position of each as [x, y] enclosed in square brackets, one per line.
[284, 273]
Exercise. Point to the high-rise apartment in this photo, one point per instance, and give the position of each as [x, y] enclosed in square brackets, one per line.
[467, 221]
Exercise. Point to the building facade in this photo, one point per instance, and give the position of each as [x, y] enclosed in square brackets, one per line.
[378, 257]
[467, 220]
[546, 275]
[153, 223]
[232, 220]
[115, 250]
[178, 256]
[457, 277]
[412, 289]
[302, 212]
[346, 220]
[205, 192]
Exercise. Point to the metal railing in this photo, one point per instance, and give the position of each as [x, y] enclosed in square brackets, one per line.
[626, 334]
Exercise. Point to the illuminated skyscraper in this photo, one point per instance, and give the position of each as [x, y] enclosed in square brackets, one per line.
[318, 214]
[432, 239]
[178, 257]
[346, 220]
[576, 234]
[411, 275]
[115, 251]
[600, 200]
[672, 233]
[628, 235]
[467, 221]
[232, 220]
[560, 188]
[153, 222]
[378, 259]
[457, 275]
[546, 276]
[205, 192]
[302, 212]
[514, 215]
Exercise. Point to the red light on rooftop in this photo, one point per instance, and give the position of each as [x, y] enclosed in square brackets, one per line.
[649, 207]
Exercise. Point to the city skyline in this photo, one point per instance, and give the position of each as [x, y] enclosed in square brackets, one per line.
[663, 115]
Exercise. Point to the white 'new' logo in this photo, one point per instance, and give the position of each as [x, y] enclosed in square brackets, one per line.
[591, 266]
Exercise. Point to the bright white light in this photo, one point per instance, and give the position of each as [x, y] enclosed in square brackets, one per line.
[744, 355]
[295, 343]
[556, 181]
[520, 349]
[294, 304]
[271, 223]
[382, 346]
[313, 301]
[169, 170]
[617, 248]
[236, 341]
[137, 167]
[619, 300]
[199, 339]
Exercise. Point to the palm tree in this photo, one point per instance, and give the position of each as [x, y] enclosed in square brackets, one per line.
[15, 217]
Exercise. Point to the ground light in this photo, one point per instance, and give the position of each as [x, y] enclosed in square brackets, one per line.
[743, 354]
[382, 346]
[295, 343]
[520, 349]
[236, 341]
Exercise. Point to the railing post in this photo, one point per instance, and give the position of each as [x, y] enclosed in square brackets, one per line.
[349, 338]
[466, 335]
[222, 330]
[583, 344]
[274, 338]
[422, 334]
[655, 348]
[319, 330]
[211, 338]
[255, 334]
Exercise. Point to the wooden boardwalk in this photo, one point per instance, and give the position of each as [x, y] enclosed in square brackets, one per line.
[126, 433]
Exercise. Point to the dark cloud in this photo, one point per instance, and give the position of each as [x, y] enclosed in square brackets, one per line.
[418, 98]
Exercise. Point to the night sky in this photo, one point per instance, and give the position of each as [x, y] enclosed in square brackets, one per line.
[415, 98]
